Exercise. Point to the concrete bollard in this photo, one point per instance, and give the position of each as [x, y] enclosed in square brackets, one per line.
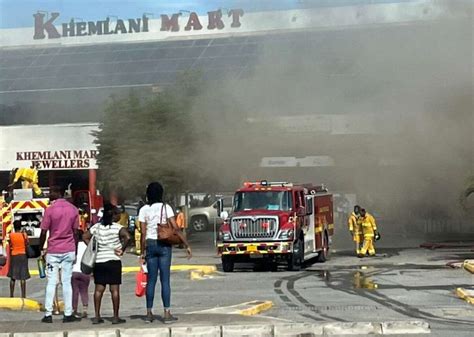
[349, 328]
[40, 334]
[147, 332]
[196, 331]
[247, 331]
[405, 327]
[298, 330]
[93, 333]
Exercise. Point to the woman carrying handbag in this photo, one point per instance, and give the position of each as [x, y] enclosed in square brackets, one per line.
[159, 233]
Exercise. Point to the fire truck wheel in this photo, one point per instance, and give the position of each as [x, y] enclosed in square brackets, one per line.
[227, 264]
[295, 260]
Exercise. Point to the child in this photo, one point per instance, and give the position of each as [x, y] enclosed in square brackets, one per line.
[80, 282]
[19, 259]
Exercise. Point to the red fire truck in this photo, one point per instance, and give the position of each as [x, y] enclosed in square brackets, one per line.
[277, 222]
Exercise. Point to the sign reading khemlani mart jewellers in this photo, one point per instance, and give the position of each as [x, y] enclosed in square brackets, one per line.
[58, 160]
[215, 21]
[59, 146]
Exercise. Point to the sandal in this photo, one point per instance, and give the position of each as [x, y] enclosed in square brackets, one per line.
[96, 320]
[149, 319]
[169, 319]
[118, 320]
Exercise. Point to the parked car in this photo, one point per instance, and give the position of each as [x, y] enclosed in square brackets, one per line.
[202, 219]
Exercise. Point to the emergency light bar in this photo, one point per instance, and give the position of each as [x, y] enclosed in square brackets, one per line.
[266, 183]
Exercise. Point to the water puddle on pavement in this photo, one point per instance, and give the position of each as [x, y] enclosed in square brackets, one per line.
[360, 281]
[353, 279]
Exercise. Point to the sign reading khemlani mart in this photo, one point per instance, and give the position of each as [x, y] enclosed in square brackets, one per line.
[215, 21]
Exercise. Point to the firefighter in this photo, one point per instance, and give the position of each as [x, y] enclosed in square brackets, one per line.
[83, 217]
[355, 229]
[28, 176]
[369, 231]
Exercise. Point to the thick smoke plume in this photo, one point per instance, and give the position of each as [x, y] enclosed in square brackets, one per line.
[405, 92]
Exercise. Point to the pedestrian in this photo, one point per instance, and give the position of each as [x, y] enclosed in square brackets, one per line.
[156, 253]
[369, 230]
[181, 222]
[80, 282]
[355, 229]
[61, 221]
[112, 240]
[19, 260]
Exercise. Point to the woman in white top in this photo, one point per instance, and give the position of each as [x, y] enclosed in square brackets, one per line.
[157, 253]
[112, 239]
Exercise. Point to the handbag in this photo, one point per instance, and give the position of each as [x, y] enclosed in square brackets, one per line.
[30, 252]
[90, 254]
[3, 260]
[167, 233]
[141, 281]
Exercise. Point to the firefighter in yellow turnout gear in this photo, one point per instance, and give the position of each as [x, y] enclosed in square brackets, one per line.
[355, 229]
[28, 176]
[369, 231]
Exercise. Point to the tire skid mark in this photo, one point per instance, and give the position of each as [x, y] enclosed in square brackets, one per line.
[392, 304]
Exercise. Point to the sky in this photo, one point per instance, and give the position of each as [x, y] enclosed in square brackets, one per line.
[19, 13]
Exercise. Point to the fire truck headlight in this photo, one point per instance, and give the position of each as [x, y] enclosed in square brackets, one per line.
[224, 236]
[286, 234]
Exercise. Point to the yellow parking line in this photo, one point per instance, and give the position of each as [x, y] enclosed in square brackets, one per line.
[204, 269]
[469, 266]
[465, 295]
[207, 269]
[257, 308]
[246, 309]
[19, 304]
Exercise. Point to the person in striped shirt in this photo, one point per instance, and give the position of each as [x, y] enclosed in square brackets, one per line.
[113, 240]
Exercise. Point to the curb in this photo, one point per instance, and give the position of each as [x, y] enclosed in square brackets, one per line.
[19, 304]
[469, 266]
[466, 295]
[254, 330]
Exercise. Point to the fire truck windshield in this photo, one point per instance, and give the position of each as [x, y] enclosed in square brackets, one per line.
[265, 200]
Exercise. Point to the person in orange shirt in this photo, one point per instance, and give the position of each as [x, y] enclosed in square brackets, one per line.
[19, 259]
[181, 221]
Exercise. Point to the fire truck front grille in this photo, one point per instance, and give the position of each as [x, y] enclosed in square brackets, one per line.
[254, 227]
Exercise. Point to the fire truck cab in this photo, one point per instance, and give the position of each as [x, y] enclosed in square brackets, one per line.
[277, 222]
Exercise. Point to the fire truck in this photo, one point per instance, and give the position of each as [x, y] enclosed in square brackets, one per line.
[277, 222]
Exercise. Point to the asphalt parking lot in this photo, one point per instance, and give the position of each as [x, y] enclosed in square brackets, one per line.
[398, 284]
